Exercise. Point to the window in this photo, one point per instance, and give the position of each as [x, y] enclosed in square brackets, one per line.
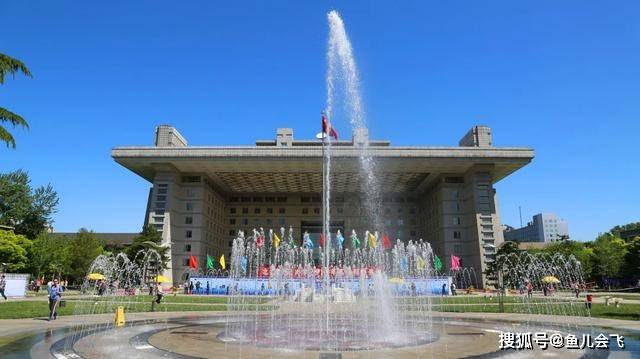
[454, 180]
[412, 211]
[189, 206]
[230, 243]
[400, 210]
[282, 199]
[269, 221]
[245, 210]
[281, 210]
[413, 233]
[316, 210]
[188, 220]
[232, 221]
[256, 210]
[163, 185]
[316, 199]
[281, 221]
[305, 211]
[188, 234]
[457, 248]
[245, 199]
[232, 210]
[232, 232]
[340, 210]
[187, 248]
[455, 194]
[456, 221]
[233, 199]
[158, 219]
[457, 235]
[269, 199]
[305, 199]
[162, 191]
[191, 179]
[161, 198]
[257, 199]
[400, 222]
[245, 221]
[159, 212]
[269, 210]
[190, 192]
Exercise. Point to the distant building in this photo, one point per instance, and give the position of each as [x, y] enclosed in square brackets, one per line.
[545, 227]
[113, 240]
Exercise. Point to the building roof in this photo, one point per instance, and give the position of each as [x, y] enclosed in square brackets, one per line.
[297, 168]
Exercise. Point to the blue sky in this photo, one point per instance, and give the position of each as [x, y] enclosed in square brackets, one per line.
[560, 77]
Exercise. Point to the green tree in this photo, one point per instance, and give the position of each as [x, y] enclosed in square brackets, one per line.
[579, 250]
[26, 209]
[14, 250]
[84, 248]
[632, 259]
[508, 250]
[11, 66]
[50, 256]
[149, 238]
[609, 252]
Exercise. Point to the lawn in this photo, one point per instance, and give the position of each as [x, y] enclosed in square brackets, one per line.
[100, 305]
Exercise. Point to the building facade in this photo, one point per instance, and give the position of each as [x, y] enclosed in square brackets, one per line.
[201, 196]
[544, 227]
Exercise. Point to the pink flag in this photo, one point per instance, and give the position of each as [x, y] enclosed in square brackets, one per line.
[455, 262]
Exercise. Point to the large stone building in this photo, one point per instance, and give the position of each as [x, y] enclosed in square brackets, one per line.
[201, 195]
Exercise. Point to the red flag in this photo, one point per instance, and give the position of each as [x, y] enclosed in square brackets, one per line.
[386, 243]
[260, 241]
[193, 262]
[321, 240]
[455, 262]
[327, 128]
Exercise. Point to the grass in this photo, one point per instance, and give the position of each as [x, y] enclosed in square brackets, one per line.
[80, 306]
[100, 305]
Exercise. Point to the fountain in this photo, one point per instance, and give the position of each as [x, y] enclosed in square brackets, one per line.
[366, 292]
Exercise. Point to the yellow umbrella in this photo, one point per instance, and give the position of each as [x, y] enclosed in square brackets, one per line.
[550, 279]
[162, 279]
[95, 276]
[396, 280]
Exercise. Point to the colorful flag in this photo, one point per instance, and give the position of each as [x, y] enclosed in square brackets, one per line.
[437, 263]
[260, 240]
[455, 262]
[276, 240]
[386, 243]
[421, 263]
[340, 239]
[355, 242]
[193, 262]
[306, 240]
[327, 128]
[372, 240]
[210, 264]
[223, 264]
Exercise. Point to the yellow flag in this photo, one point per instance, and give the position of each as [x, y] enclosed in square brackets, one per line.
[421, 263]
[276, 240]
[223, 264]
[372, 240]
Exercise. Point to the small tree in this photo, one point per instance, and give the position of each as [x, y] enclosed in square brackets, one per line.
[609, 252]
[84, 248]
[14, 250]
[149, 238]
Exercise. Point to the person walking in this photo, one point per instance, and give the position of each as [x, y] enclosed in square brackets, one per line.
[453, 288]
[444, 289]
[3, 285]
[55, 293]
[529, 289]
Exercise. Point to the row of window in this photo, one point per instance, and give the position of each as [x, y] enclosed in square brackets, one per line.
[258, 199]
[257, 210]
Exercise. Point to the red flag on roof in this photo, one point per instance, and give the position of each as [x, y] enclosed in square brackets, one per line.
[386, 243]
[193, 262]
[327, 129]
